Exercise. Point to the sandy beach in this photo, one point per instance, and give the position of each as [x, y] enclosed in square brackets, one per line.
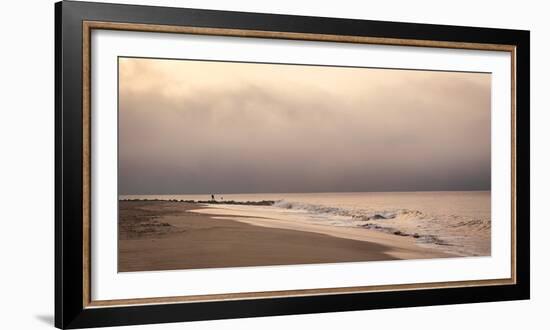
[163, 235]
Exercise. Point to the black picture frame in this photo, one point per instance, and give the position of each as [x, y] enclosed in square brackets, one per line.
[70, 309]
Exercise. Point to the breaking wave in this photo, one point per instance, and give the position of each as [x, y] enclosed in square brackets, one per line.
[447, 231]
[356, 214]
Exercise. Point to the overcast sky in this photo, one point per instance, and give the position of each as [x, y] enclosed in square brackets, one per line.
[197, 127]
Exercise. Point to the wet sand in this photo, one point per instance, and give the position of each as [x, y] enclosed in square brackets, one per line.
[162, 235]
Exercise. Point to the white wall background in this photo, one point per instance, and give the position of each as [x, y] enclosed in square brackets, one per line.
[27, 169]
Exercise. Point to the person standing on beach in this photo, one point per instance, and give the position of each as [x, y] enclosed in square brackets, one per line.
[213, 198]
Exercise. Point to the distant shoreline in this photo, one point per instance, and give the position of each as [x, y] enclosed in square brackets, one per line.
[192, 201]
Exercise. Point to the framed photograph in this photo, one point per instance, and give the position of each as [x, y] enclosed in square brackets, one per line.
[214, 164]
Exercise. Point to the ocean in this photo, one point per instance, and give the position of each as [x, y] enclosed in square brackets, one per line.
[458, 222]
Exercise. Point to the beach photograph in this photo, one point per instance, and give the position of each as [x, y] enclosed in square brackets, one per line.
[238, 164]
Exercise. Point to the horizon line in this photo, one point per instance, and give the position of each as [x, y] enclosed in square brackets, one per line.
[317, 192]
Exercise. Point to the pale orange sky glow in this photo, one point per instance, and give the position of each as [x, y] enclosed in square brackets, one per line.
[220, 127]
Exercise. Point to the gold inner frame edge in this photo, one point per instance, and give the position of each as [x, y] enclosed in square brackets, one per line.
[88, 26]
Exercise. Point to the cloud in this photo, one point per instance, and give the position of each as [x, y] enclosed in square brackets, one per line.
[201, 127]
